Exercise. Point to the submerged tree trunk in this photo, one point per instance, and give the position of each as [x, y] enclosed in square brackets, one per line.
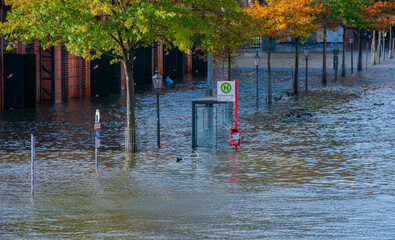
[296, 76]
[378, 47]
[1, 72]
[324, 72]
[390, 44]
[373, 57]
[131, 133]
[360, 49]
[269, 70]
[344, 53]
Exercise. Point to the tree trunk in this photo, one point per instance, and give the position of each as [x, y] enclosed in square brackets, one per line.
[360, 49]
[373, 51]
[390, 44]
[269, 70]
[2, 18]
[131, 133]
[383, 52]
[378, 47]
[229, 67]
[344, 53]
[296, 76]
[324, 72]
[1, 72]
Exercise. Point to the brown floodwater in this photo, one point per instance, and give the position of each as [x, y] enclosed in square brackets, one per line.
[331, 176]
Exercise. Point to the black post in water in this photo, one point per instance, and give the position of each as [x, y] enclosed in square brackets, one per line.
[307, 54]
[384, 35]
[352, 52]
[352, 59]
[367, 50]
[307, 67]
[158, 116]
[33, 155]
[335, 61]
[257, 59]
[257, 88]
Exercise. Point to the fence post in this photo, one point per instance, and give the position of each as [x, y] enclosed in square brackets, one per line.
[32, 156]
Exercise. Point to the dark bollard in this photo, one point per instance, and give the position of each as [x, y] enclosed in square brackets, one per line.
[335, 61]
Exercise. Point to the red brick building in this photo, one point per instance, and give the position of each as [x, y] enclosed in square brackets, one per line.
[30, 75]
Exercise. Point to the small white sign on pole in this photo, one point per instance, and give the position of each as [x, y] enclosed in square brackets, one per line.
[97, 116]
[226, 91]
[97, 142]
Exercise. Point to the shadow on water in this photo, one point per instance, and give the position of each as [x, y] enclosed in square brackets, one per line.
[330, 177]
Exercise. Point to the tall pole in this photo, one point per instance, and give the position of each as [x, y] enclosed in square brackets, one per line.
[158, 117]
[390, 40]
[210, 89]
[379, 47]
[257, 88]
[307, 66]
[373, 50]
[97, 127]
[384, 35]
[360, 40]
[236, 109]
[335, 61]
[352, 58]
[343, 73]
[33, 154]
[367, 52]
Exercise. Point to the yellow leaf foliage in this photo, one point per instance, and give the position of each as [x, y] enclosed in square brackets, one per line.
[286, 18]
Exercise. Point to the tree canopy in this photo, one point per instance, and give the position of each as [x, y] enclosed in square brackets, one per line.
[89, 28]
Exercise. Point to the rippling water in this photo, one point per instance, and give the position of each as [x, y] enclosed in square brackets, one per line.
[331, 177]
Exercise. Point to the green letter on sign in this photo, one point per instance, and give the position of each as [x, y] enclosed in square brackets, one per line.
[226, 87]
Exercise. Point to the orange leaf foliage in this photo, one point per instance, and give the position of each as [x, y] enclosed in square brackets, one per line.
[380, 14]
[286, 18]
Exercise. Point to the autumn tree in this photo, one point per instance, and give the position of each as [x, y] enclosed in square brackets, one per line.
[232, 31]
[266, 18]
[90, 28]
[297, 19]
[327, 22]
[389, 10]
[379, 16]
[348, 11]
[287, 18]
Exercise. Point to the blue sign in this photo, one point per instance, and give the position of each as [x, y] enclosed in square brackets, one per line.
[97, 133]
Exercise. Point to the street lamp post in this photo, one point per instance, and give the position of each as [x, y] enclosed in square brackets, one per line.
[352, 53]
[157, 82]
[306, 51]
[257, 59]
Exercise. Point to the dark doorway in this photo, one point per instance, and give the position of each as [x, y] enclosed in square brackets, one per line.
[199, 62]
[142, 67]
[19, 81]
[47, 73]
[173, 64]
[105, 78]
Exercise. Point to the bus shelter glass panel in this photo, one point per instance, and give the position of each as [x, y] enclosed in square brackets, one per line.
[224, 121]
[206, 127]
[211, 121]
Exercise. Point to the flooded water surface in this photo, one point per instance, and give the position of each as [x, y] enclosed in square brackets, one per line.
[330, 176]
